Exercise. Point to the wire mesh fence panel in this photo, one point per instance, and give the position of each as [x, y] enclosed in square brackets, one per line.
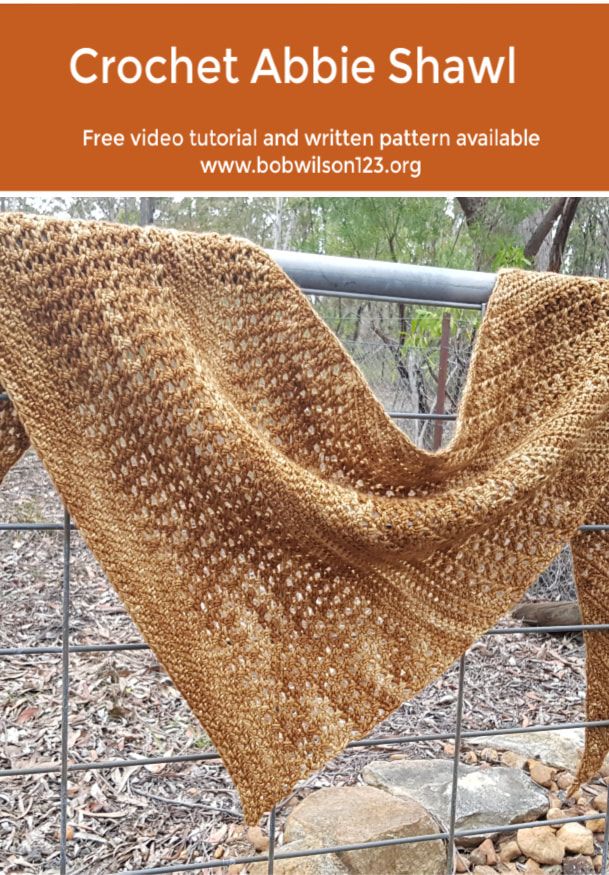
[103, 768]
[398, 349]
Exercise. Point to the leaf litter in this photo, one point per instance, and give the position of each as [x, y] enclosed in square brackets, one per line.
[123, 706]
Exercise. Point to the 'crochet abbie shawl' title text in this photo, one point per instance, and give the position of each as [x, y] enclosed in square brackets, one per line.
[299, 567]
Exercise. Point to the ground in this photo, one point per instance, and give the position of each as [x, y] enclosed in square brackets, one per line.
[123, 705]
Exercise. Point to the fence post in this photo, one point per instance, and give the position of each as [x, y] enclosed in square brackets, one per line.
[442, 377]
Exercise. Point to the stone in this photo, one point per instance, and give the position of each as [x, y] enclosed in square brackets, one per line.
[513, 760]
[596, 824]
[555, 814]
[488, 849]
[576, 838]
[598, 862]
[477, 857]
[578, 866]
[323, 864]
[497, 796]
[541, 845]
[348, 815]
[489, 755]
[259, 840]
[560, 749]
[470, 757]
[600, 801]
[460, 864]
[484, 870]
[565, 781]
[540, 773]
[509, 851]
[532, 868]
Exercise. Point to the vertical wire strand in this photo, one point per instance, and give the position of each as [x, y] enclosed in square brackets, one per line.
[451, 851]
[605, 858]
[271, 828]
[65, 681]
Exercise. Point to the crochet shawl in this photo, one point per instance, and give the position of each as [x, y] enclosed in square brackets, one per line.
[297, 565]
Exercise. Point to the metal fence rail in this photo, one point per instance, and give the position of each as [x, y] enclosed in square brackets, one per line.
[320, 276]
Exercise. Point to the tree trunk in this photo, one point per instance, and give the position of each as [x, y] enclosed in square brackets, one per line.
[562, 232]
[147, 207]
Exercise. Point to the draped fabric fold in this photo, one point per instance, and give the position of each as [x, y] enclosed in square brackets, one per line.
[298, 566]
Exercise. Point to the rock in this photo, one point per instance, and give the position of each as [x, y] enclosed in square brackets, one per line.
[471, 758]
[578, 866]
[513, 760]
[555, 814]
[576, 838]
[596, 824]
[532, 868]
[346, 815]
[541, 845]
[497, 796]
[598, 862]
[489, 755]
[323, 864]
[565, 781]
[541, 773]
[484, 870]
[509, 851]
[488, 849]
[460, 864]
[600, 801]
[259, 840]
[477, 857]
[560, 749]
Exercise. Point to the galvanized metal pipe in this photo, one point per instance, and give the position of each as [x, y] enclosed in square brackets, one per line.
[337, 275]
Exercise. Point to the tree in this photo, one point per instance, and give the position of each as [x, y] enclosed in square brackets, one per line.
[147, 208]
[519, 231]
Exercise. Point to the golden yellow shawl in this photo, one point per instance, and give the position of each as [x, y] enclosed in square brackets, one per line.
[299, 567]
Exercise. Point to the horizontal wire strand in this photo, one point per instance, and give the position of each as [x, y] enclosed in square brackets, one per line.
[359, 846]
[52, 768]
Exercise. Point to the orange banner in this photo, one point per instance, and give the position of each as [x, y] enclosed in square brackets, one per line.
[304, 97]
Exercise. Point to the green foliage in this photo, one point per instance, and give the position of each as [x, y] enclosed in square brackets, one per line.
[509, 255]
[425, 326]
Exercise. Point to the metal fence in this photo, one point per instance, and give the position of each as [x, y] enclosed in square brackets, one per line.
[349, 278]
